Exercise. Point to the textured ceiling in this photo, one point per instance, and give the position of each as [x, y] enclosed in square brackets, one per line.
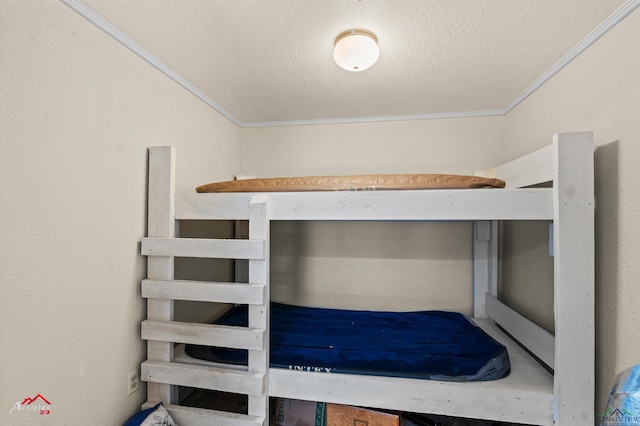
[271, 60]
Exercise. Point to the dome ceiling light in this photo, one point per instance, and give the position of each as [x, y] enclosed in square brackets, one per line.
[356, 50]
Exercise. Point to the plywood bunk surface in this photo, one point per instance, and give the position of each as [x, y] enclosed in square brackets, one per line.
[530, 394]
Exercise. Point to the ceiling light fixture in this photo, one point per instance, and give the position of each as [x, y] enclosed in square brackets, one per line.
[356, 50]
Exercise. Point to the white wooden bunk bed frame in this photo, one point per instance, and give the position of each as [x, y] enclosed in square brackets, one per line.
[530, 394]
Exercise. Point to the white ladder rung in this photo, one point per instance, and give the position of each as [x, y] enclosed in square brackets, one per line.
[204, 334]
[198, 376]
[204, 248]
[202, 291]
[202, 417]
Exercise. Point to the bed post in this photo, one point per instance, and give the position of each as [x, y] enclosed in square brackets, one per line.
[259, 224]
[161, 223]
[573, 279]
[485, 264]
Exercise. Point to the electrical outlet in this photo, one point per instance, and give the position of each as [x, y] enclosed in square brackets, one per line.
[133, 382]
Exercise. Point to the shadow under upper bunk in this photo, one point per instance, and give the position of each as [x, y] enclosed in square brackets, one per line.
[434, 345]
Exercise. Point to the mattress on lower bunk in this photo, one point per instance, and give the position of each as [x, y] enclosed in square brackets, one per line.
[354, 183]
[434, 345]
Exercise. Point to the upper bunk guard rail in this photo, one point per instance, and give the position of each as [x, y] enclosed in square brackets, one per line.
[532, 169]
[162, 374]
[458, 204]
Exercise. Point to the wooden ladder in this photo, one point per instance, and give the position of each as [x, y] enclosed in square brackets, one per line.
[162, 374]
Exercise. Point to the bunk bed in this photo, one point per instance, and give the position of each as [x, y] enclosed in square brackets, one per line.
[530, 394]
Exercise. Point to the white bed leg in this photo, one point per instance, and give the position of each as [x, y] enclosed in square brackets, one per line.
[573, 279]
[161, 223]
[259, 225]
[485, 264]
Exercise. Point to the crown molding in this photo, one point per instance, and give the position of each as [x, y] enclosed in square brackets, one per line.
[374, 119]
[622, 12]
[106, 26]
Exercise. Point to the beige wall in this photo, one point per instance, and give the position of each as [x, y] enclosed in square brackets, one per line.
[457, 145]
[78, 112]
[392, 266]
[599, 91]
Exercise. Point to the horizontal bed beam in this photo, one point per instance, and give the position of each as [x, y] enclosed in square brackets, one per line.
[198, 376]
[468, 399]
[204, 334]
[459, 204]
[204, 291]
[204, 248]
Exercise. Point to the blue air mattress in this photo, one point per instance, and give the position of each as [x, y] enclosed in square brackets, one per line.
[434, 345]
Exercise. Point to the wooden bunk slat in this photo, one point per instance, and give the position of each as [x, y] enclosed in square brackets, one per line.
[203, 417]
[197, 376]
[203, 291]
[459, 204]
[539, 341]
[204, 334]
[204, 248]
